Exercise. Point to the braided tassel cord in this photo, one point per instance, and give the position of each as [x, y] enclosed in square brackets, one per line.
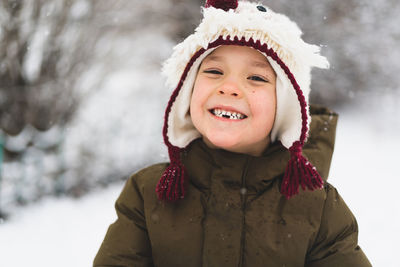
[299, 172]
[171, 186]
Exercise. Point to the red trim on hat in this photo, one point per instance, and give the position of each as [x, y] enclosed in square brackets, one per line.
[299, 170]
[222, 4]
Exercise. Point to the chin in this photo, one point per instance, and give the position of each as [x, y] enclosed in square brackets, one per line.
[223, 142]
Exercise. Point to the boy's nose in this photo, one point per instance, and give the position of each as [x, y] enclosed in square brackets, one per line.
[230, 89]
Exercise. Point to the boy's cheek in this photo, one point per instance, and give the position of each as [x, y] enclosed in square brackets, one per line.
[263, 105]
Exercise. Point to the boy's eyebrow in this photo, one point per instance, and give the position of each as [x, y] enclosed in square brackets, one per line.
[259, 64]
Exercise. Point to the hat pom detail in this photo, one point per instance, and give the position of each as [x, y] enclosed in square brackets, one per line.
[171, 186]
[299, 172]
[222, 4]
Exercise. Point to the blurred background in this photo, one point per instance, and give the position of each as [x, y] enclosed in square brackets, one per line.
[82, 105]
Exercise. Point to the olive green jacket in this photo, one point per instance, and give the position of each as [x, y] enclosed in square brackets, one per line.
[234, 215]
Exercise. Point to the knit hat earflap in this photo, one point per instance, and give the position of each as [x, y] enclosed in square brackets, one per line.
[275, 36]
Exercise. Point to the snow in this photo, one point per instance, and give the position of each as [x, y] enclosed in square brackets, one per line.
[365, 172]
[68, 232]
[58, 232]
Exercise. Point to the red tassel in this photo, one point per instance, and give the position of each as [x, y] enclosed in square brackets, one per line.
[171, 186]
[222, 4]
[299, 171]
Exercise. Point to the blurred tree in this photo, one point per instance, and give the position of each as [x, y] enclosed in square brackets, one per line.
[186, 15]
[44, 49]
[46, 44]
[56, 54]
[41, 55]
[356, 36]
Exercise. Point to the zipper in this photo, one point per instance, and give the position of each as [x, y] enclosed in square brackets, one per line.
[243, 197]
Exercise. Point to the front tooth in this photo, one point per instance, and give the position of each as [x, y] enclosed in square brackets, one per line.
[232, 115]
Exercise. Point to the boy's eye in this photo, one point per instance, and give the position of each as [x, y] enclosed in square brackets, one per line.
[213, 72]
[257, 78]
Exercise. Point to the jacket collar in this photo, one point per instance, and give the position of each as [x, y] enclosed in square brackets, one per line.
[203, 162]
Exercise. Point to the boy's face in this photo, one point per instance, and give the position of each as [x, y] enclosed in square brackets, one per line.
[234, 102]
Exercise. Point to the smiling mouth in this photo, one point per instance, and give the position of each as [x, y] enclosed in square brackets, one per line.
[227, 114]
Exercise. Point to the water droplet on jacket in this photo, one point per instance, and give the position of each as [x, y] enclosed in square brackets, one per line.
[243, 191]
[282, 221]
[155, 217]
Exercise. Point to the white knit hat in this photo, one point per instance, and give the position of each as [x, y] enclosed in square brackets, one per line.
[279, 39]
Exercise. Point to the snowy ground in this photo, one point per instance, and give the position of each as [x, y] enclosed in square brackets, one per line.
[365, 169]
[58, 232]
[68, 232]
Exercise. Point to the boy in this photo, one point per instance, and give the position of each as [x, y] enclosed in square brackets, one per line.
[235, 128]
